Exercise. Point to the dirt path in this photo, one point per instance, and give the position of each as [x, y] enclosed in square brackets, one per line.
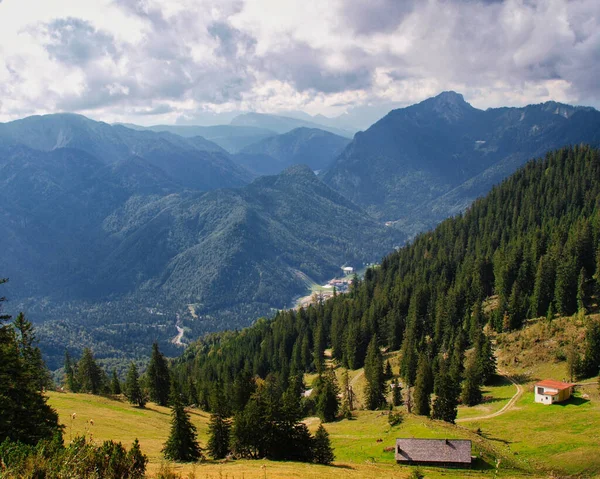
[177, 339]
[509, 405]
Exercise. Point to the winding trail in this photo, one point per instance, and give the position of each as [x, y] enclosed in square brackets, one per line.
[508, 406]
[177, 339]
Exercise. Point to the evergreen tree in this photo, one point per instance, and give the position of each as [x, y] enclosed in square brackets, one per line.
[486, 358]
[25, 415]
[70, 374]
[423, 387]
[397, 394]
[388, 370]
[158, 377]
[133, 390]
[328, 402]
[375, 387]
[182, 445]
[89, 374]
[219, 429]
[322, 450]
[115, 384]
[445, 405]
[591, 363]
[471, 392]
[565, 292]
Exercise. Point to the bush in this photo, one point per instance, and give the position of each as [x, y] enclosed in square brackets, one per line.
[395, 418]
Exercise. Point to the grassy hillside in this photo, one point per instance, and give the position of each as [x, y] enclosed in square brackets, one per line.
[358, 454]
[530, 440]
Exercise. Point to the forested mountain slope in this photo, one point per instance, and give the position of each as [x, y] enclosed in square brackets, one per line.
[421, 164]
[532, 241]
[301, 146]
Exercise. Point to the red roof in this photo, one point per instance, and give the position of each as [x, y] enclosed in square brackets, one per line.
[552, 384]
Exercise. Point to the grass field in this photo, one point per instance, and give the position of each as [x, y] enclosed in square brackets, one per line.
[358, 454]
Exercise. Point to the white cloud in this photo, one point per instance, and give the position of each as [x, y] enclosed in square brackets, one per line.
[151, 61]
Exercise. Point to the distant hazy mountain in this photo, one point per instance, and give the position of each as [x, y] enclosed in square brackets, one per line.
[192, 162]
[232, 138]
[423, 163]
[283, 124]
[308, 146]
[106, 244]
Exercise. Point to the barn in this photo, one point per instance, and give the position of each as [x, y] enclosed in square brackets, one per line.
[550, 391]
[434, 452]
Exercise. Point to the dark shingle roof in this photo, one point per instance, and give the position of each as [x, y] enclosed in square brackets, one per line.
[434, 450]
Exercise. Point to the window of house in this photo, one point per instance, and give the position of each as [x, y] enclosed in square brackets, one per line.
[540, 390]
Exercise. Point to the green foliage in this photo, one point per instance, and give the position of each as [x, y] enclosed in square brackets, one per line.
[158, 377]
[397, 399]
[133, 390]
[375, 387]
[395, 418]
[322, 450]
[181, 445]
[423, 387]
[81, 459]
[24, 413]
[115, 384]
[328, 402]
[219, 429]
[89, 375]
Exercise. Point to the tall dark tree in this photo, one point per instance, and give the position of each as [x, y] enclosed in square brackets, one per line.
[158, 377]
[471, 388]
[375, 387]
[133, 389]
[328, 402]
[25, 415]
[70, 374]
[591, 361]
[89, 374]
[423, 387]
[182, 444]
[447, 390]
[397, 394]
[115, 384]
[322, 450]
[219, 426]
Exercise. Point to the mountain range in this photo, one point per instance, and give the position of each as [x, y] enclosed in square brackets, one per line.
[421, 164]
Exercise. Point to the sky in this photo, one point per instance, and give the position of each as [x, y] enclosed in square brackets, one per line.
[201, 61]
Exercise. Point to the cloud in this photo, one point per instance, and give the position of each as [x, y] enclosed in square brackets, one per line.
[153, 61]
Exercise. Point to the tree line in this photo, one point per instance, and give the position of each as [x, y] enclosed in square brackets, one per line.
[528, 249]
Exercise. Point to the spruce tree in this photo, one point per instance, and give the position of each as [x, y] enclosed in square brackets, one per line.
[219, 430]
[423, 387]
[89, 374]
[328, 402]
[445, 405]
[115, 384]
[70, 374]
[322, 450]
[158, 377]
[375, 387]
[182, 445]
[133, 390]
[397, 394]
[471, 389]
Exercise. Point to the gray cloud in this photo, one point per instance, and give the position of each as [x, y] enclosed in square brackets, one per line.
[76, 42]
[377, 53]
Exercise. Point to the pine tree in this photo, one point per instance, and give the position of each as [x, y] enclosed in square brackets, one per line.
[133, 390]
[375, 387]
[388, 370]
[328, 402]
[591, 362]
[397, 394]
[471, 392]
[89, 374]
[158, 377]
[181, 446]
[219, 430]
[445, 405]
[115, 384]
[423, 387]
[70, 374]
[322, 450]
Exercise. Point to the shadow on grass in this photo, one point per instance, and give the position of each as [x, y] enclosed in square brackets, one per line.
[573, 401]
[480, 464]
[485, 435]
[342, 466]
[489, 400]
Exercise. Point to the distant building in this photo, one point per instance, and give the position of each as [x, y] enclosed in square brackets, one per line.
[550, 391]
[434, 452]
[348, 269]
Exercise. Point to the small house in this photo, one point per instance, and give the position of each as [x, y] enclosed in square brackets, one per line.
[348, 269]
[434, 452]
[550, 391]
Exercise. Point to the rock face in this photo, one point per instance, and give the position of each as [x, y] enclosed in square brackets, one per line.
[423, 163]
